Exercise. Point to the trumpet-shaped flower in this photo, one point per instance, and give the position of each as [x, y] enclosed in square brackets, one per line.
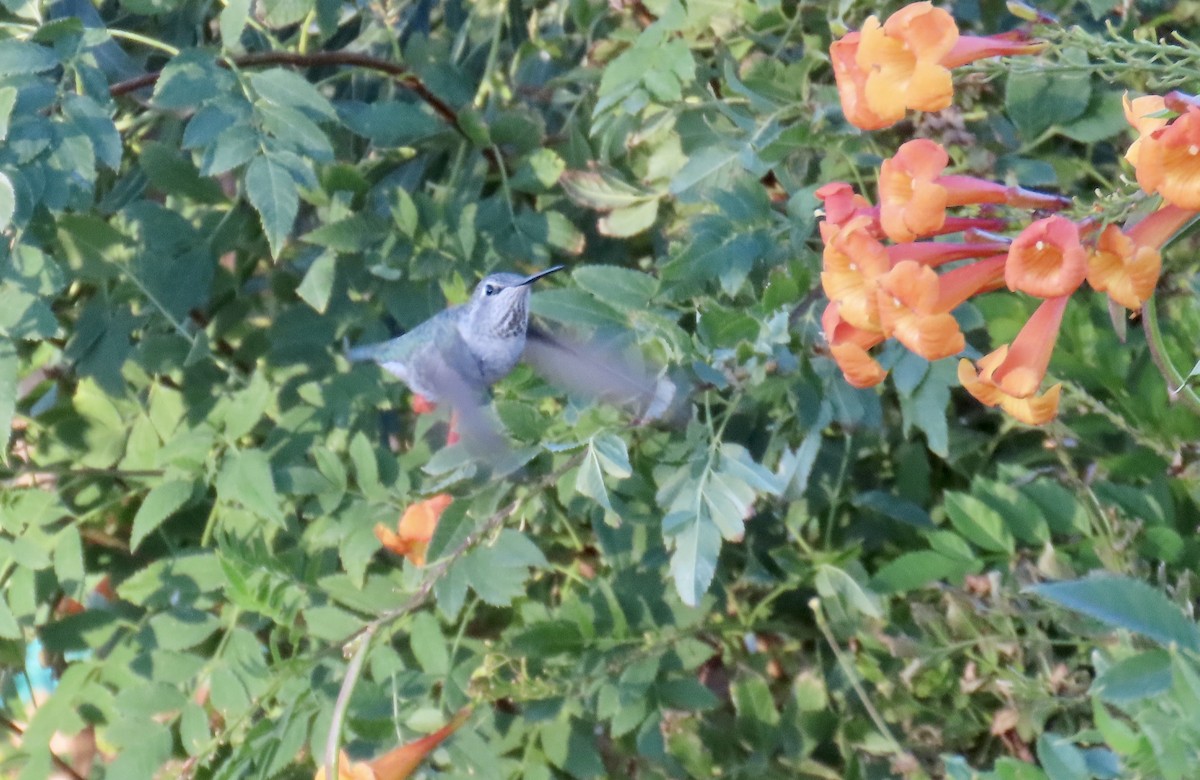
[851, 83]
[936, 253]
[911, 201]
[1047, 259]
[415, 528]
[1126, 263]
[853, 261]
[841, 202]
[1168, 160]
[914, 193]
[915, 303]
[399, 763]
[849, 346]
[1143, 114]
[902, 60]
[904, 63]
[1010, 376]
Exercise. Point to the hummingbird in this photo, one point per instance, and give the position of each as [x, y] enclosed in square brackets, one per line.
[456, 356]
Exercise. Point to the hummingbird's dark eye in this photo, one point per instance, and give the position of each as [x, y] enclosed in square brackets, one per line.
[490, 289]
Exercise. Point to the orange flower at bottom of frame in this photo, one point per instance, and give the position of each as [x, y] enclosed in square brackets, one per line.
[396, 764]
[1010, 376]
[415, 528]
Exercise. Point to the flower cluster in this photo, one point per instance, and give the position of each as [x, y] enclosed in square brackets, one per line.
[905, 63]
[879, 290]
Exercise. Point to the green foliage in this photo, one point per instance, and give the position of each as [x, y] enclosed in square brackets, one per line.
[783, 577]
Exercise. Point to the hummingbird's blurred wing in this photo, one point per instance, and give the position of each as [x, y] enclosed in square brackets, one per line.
[597, 372]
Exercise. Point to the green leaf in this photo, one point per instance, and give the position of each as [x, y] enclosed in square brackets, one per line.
[9, 628]
[280, 13]
[428, 645]
[620, 287]
[245, 478]
[183, 627]
[601, 190]
[22, 57]
[612, 454]
[697, 543]
[160, 503]
[978, 523]
[1135, 678]
[1126, 604]
[497, 572]
[703, 166]
[97, 126]
[894, 507]
[574, 307]
[589, 480]
[628, 220]
[317, 284]
[392, 123]
[188, 80]
[1036, 100]
[233, 20]
[284, 87]
[247, 406]
[834, 583]
[273, 193]
[914, 570]
[1060, 759]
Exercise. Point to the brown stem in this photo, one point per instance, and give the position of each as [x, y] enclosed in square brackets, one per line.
[401, 74]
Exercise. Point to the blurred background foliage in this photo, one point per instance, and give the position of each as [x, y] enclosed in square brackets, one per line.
[799, 579]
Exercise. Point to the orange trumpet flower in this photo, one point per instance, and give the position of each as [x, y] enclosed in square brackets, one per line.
[915, 303]
[1168, 160]
[841, 203]
[1126, 263]
[397, 764]
[853, 261]
[849, 346]
[1047, 259]
[1010, 376]
[1141, 114]
[904, 63]
[914, 194]
[415, 529]
[902, 60]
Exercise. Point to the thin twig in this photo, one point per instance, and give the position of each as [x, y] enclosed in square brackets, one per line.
[361, 639]
[343, 703]
[62, 766]
[853, 678]
[1177, 385]
[315, 59]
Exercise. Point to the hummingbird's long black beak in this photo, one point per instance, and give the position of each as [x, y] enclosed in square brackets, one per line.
[539, 275]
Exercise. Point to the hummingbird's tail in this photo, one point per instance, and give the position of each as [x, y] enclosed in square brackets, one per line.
[355, 354]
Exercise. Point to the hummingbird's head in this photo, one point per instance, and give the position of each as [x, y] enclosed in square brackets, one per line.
[499, 307]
